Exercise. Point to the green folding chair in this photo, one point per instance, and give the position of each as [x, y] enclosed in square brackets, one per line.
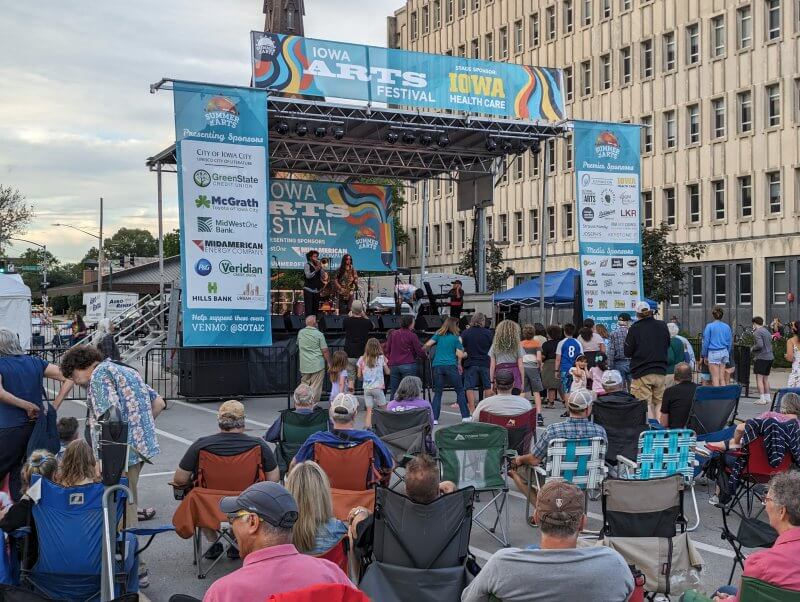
[755, 590]
[295, 429]
[474, 454]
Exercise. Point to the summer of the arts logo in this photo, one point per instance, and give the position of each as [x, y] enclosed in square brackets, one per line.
[265, 45]
[221, 110]
[606, 145]
[366, 238]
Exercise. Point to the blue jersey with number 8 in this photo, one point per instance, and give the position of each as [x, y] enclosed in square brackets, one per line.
[570, 350]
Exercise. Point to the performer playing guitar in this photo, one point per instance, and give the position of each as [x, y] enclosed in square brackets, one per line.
[346, 283]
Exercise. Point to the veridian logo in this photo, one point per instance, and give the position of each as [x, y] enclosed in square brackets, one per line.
[203, 267]
[202, 178]
[202, 202]
[205, 224]
[239, 269]
[212, 288]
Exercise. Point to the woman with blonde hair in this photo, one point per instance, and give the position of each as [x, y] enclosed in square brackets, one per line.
[316, 530]
[506, 353]
[446, 367]
[78, 466]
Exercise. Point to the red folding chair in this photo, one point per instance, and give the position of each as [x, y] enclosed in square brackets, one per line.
[521, 428]
[337, 554]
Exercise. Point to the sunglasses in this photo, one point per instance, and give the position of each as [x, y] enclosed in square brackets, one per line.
[239, 514]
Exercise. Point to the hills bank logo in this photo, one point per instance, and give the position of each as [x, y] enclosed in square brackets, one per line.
[606, 145]
[222, 111]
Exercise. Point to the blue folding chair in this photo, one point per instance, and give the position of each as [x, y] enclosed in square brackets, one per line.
[776, 399]
[663, 453]
[713, 408]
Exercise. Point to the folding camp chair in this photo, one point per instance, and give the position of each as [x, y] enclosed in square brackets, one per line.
[521, 428]
[405, 433]
[217, 477]
[713, 408]
[474, 454]
[643, 520]
[662, 453]
[755, 589]
[322, 591]
[419, 551]
[623, 421]
[337, 554]
[352, 474]
[296, 427]
[776, 398]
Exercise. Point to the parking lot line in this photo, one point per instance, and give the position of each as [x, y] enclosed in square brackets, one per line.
[194, 406]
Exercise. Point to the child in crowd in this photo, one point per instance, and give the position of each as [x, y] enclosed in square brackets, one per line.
[569, 348]
[579, 373]
[532, 363]
[596, 373]
[67, 427]
[372, 367]
[338, 373]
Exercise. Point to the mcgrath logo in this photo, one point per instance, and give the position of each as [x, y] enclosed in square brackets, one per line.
[213, 288]
[221, 110]
[202, 202]
[587, 214]
[205, 224]
[202, 178]
[606, 145]
[366, 238]
[203, 267]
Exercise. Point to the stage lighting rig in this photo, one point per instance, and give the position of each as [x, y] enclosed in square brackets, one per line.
[535, 146]
[443, 141]
[282, 128]
[507, 147]
[392, 137]
[409, 138]
[491, 144]
[426, 140]
[338, 132]
[301, 129]
[320, 131]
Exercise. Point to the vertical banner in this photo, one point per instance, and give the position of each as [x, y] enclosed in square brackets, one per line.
[221, 138]
[609, 219]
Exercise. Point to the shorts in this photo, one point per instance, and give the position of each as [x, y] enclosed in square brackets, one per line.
[533, 380]
[566, 381]
[477, 377]
[762, 367]
[718, 356]
[374, 397]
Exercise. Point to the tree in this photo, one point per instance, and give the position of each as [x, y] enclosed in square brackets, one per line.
[172, 243]
[15, 213]
[496, 275]
[663, 262]
[37, 257]
[130, 241]
[91, 254]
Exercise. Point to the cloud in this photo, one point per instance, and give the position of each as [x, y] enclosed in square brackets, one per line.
[78, 120]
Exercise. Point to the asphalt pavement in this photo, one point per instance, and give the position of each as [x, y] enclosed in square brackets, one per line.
[170, 558]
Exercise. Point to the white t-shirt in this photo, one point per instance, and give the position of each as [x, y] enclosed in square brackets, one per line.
[372, 377]
[592, 345]
[503, 405]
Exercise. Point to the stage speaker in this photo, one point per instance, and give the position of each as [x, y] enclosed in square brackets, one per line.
[390, 321]
[430, 322]
[332, 323]
[294, 323]
[278, 324]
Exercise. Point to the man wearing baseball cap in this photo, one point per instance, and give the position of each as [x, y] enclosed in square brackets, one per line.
[557, 570]
[616, 348]
[503, 403]
[646, 345]
[614, 387]
[262, 518]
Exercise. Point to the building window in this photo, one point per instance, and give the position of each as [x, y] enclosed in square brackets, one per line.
[426, 243]
[534, 219]
[489, 47]
[745, 102]
[696, 285]
[718, 36]
[437, 187]
[745, 196]
[568, 152]
[519, 227]
[568, 87]
[669, 206]
[605, 72]
[462, 8]
[720, 285]
[744, 27]
[489, 230]
[550, 17]
[551, 223]
[413, 25]
[426, 25]
[605, 6]
[450, 186]
[568, 226]
[519, 37]
[774, 192]
[550, 148]
[692, 44]
[448, 11]
[414, 242]
[797, 92]
[437, 14]
[475, 49]
[718, 188]
[773, 19]
[519, 168]
[586, 78]
[437, 238]
[773, 94]
[744, 283]
[626, 60]
[625, 5]
[476, 5]
[693, 119]
[504, 42]
[669, 51]
[718, 117]
[693, 192]
[534, 22]
[534, 165]
[462, 234]
[504, 227]
[670, 130]
[647, 59]
[778, 282]
[587, 12]
[462, 51]
[566, 12]
[647, 134]
[647, 202]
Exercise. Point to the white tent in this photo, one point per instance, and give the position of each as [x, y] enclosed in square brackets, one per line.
[15, 307]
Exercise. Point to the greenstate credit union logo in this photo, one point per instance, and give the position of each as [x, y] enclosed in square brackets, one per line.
[202, 178]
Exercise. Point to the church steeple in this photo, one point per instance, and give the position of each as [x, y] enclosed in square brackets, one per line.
[284, 16]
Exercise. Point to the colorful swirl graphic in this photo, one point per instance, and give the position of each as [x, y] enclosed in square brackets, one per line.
[367, 202]
[541, 95]
[281, 64]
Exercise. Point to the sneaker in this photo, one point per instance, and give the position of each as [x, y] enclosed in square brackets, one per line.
[714, 500]
[435, 422]
[214, 552]
[144, 579]
[540, 420]
[760, 402]
[467, 419]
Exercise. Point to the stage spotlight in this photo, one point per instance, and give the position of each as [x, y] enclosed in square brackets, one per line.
[491, 144]
[507, 147]
[535, 146]
[338, 132]
[301, 129]
[320, 131]
[443, 140]
[521, 148]
[409, 138]
[425, 140]
[282, 128]
[392, 137]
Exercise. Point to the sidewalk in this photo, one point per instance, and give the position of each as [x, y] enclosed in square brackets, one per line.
[777, 380]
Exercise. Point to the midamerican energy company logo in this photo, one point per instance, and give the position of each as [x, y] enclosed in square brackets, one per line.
[222, 111]
[229, 246]
[606, 145]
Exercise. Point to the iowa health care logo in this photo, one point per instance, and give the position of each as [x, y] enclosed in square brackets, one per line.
[606, 145]
[222, 111]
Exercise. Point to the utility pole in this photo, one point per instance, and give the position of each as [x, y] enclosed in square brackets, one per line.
[545, 230]
[100, 252]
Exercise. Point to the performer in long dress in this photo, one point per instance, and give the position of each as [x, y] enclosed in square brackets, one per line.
[346, 283]
[314, 275]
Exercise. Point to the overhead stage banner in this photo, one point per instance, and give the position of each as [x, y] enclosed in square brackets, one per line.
[609, 218]
[221, 135]
[297, 65]
[334, 219]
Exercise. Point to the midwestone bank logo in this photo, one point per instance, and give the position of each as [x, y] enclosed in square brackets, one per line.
[222, 111]
[606, 145]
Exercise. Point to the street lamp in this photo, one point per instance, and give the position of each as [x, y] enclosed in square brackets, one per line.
[44, 266]
[99, 238]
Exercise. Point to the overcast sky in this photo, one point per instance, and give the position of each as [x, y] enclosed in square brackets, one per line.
[77, 119]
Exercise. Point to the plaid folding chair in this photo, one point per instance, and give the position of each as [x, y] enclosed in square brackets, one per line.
[776, 399]
[663, 453]
[474, 454]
